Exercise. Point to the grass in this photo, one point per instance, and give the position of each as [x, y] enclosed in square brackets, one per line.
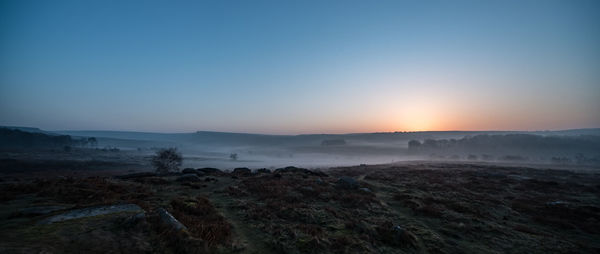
[420, 208]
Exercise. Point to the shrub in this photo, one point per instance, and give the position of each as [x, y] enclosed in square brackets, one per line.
[167, 160]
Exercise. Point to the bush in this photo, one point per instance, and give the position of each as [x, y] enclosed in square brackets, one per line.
[167, 160]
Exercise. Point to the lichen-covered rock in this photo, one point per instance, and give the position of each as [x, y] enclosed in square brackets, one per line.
[93, 211]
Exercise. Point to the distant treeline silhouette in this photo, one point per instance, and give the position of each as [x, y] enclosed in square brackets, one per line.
[526, 144]
[12, 138]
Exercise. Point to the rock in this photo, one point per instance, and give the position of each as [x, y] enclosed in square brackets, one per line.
[263, 171]
[153, 180]
[188, 178]
[136, 175]
[210, 170]
[41, 210]
[320, 181]
[170, 221]
[558, 203]
[93, 211]
[242, 171]
[291, 169]
[347, 182]
[318, 173]
[134, 220]
[189, 171]
[367, 190]
[398, 230]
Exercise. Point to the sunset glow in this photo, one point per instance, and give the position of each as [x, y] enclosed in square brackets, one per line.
[336, 68]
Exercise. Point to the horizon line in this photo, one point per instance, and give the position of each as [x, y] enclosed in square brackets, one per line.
[296, 134]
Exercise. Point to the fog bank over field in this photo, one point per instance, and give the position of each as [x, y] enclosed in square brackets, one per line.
[230, 150]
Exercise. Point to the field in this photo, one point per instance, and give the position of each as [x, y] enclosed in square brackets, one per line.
[410, 207]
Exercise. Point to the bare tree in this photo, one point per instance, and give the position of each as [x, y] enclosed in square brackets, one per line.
[167, 160]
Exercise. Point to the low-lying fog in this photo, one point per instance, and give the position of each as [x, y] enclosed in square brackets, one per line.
[231, 150]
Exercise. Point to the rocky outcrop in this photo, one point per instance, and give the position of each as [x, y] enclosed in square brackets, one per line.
[188, 178]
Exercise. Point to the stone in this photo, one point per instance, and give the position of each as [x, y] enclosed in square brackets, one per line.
[93, 211]
[292, 169]
[263, 171]
[170, 221]
[189, 171]
[242, 171]
[41, 210]
[210, 170]
[136, 175]
[347, 182]
[188, 178]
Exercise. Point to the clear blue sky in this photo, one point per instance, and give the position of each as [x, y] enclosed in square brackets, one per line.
[300, 66]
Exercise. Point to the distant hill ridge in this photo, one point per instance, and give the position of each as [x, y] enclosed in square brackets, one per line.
[212, 137]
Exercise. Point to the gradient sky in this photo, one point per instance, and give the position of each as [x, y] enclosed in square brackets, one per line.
[300, 66]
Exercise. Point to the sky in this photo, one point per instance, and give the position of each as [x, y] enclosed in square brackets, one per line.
[292, 67]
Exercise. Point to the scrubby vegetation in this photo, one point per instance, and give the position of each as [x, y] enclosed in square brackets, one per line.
[167, 160]
[412, 208]
[582, 149]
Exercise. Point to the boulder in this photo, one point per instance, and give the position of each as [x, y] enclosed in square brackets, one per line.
[188, 178]
[292, 169]
[318, 173]
[242, 171]
[93, 211]
[263, 171]
[134, 220]
[189, 171]
[210, 171]
[136, 175]
[168, 220]
[346, 182]
[40, 210]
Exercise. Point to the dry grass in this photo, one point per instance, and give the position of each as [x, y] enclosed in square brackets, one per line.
[202, 220]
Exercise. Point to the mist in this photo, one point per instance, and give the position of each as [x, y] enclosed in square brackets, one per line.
[215, 149]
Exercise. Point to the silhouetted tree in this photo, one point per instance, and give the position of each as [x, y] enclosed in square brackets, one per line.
[167, 160]
[414, 144]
